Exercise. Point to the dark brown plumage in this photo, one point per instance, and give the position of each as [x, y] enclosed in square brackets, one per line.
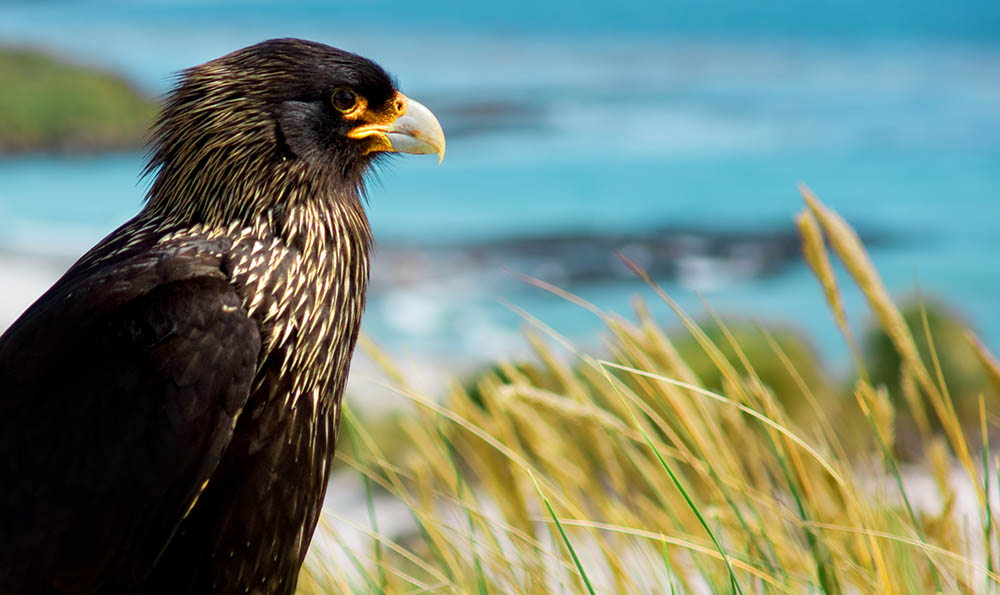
[169, 408]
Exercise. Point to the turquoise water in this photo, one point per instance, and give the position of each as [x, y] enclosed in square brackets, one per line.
[576, 119]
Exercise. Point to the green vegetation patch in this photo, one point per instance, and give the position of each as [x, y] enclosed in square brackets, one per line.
[48, 104]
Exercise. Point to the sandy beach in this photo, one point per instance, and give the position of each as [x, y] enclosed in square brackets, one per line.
[22, 279]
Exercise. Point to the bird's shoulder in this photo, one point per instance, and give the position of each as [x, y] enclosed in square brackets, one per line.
[119, 392]
[133, 291]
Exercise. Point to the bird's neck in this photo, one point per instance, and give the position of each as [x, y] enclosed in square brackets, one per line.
[281, 228]
[212, 196]
[302, 273]
[320, 230]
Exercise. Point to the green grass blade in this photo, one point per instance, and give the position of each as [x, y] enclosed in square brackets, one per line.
[677, 483]
[988, 521]
[461, 487]
[898, 478]
[358, 565]
[350, 425]
[565, 538]
[666, 563]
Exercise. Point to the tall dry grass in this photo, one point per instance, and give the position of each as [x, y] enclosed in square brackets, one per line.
[622, 473]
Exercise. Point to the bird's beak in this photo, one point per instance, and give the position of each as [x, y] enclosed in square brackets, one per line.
[415, 131]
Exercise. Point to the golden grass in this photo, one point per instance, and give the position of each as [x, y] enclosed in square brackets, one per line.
[626, 474]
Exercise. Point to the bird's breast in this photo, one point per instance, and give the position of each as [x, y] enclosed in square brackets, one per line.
[305, 285]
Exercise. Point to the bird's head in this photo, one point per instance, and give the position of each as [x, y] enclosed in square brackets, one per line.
[282, 121]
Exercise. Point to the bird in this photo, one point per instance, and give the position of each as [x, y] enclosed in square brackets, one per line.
[169, 407]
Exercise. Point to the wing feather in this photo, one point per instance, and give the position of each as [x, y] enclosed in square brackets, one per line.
[119, 391]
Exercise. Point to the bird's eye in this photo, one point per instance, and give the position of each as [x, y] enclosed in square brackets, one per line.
[344, 100]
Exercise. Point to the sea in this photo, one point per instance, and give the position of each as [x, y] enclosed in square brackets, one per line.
[676, 132]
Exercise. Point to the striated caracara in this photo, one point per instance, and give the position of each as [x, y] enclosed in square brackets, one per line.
[169, 408]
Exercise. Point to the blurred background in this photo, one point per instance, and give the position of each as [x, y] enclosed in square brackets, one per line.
[675, 132]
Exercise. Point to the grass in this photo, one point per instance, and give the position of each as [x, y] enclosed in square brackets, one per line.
[634, 471]
[51, 105]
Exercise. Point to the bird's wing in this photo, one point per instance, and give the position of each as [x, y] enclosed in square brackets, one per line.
[119, 391]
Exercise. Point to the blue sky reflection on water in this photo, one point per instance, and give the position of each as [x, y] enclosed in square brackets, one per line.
[573, 118]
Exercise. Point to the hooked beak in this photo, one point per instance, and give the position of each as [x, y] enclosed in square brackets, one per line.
[415, 131]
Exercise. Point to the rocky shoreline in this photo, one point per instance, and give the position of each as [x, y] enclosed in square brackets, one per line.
[697, 258]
